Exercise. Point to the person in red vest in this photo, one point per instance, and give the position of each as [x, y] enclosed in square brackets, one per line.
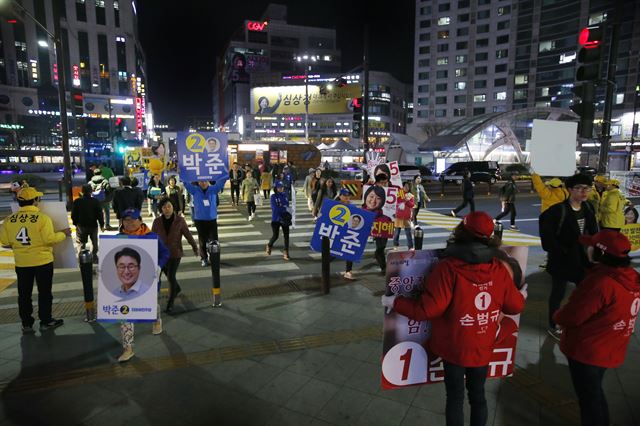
[463, 297]
[598, 321]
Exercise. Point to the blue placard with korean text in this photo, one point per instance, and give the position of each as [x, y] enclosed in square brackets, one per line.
[347, 228]
[202, 156]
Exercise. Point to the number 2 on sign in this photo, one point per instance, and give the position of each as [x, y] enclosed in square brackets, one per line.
[23, 237]
[406, 358]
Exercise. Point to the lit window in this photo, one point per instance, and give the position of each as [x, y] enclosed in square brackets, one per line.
[444, 20]
[443, 61]
[460, 85]
[565, 58]
[544, 91]
[597, 18]
[443, 34]
[461, 59]
[461, 72]
[479, 98]
[504, 10]
[546, 46]
[520, 94]
[500, 96]
[521, 79]
[619, 98]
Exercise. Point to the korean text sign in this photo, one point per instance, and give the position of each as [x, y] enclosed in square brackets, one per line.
[382, 201]
[202, 156]
[347, 228]
[128, 278]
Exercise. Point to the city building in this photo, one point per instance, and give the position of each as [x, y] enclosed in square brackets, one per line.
[104, 69]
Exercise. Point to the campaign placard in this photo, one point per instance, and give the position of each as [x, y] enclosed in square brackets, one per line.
[629, 182]
[632, 232]
[406, 361]
[202, 156]
[382, 201]
[553, 147]
[347, 228]
[128, 278]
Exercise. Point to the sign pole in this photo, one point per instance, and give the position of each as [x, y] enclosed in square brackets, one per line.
[326, 266]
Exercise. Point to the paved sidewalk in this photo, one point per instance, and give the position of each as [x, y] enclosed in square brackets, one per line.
[288, 358]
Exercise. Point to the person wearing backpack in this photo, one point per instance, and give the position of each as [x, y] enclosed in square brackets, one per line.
[87, 216]
[280, 218]
[102, 191]
[561, 225]
[508, 201]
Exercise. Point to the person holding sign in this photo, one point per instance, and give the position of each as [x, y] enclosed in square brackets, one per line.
[205, 212]
[464, 296]
[598, 321]
[404, 210]
[30, 235]
[355, 223]
[280, 218]
[374, 200]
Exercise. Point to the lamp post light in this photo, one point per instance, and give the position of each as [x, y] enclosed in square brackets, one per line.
[307, 60]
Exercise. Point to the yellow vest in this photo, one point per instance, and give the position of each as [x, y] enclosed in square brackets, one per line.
[31, 236]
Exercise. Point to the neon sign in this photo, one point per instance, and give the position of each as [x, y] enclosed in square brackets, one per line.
[257, 26]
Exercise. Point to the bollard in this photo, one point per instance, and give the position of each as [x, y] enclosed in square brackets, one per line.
[498, 228]
[86, 272]
[418, 236]
[213, 248]
[325, 285]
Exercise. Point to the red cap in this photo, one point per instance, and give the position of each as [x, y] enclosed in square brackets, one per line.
[478, 223]
[613, 242]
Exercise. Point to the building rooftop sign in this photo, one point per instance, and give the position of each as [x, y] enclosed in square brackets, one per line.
[257, 26]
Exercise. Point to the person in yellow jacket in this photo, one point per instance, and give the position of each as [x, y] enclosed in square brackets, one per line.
[30, 234]
[550, 193]
[597, 193]
[612, 206]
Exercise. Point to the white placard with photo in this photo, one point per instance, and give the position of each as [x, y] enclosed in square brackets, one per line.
[553, 147]
[128, 278]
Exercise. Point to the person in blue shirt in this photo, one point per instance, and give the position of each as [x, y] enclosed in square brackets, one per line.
[280, 217]
[205, 212]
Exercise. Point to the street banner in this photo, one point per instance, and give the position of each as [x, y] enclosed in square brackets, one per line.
[553, 147]
[64, 252]
[347, 228]
[290, 99]
[406, 360]
[629, 182]
[382, 201]
[128, 278]
[202, 156]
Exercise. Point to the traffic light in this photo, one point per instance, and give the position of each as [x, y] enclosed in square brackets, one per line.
[355, 130]
[585, 108]
[356, 103]
[590, 53]
[119, 127]
[77, 99]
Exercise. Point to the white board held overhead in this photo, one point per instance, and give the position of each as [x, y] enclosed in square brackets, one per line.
[553, 147]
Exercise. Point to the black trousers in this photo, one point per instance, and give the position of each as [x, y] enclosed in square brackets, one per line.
[266, 192]
[170, 270]
[84, 233]
[275, 233]
[454, 382]
[587, 382]
[43, 276]
[381, 244]
[235, 193]
[558, 290]
[207, 230]
[414, 216]
[251, 207]
[465, 201]
[508, 208]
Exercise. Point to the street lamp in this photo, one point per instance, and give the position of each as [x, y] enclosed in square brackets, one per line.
[307, 60]
[62, 98]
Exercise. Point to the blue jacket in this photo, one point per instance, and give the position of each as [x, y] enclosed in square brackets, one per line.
[279, 203]
[205, 203]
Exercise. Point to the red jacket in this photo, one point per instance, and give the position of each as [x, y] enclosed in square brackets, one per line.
[600, 316]
[463, 301]
[406, 210]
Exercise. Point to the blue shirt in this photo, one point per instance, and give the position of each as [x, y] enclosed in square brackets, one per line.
[279, 204]
[205, 202]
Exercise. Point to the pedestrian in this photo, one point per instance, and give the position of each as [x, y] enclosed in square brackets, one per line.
[598, 321]
[140, 195]
[404, 209]
[420, 196]
[327, 191]
[315, 194]
[550, 192]
[87, 216]
[343, 197]
[30, 234]
[235, 178]
[467, 195]
[374, 200]
[248, 190]
[612, 206]
[126, 197]
[288, 180]
[314, 186]
[132, 225]
[280, 218]
[459, 278]
[595, 196]
[266, 181]
[155, 191]
[508, 201]
[306, 190]
[175, 194]
[560, 226]
[102, 192]
[170, 228]
[293, 172]
[205, 212]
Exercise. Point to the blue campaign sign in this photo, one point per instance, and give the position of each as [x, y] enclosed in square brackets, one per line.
[347, 228]
[202, 156]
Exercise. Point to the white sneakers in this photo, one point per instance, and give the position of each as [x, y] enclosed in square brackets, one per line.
[348, 275]
[127, 354]
[253, 216]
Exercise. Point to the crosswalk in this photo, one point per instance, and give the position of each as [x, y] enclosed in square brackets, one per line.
[243, 243]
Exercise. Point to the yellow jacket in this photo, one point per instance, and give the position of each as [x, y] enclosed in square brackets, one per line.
[612, 209]
[31, 236]
[548, 195]
[266, 181]
[595, 199]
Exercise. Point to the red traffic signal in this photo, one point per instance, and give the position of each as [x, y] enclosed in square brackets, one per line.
[118, 121]
[590, 37]
[357, 104]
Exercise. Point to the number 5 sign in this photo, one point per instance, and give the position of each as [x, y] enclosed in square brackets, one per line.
[396, 179]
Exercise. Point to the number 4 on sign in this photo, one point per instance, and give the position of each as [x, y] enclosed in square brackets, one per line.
[23, 237]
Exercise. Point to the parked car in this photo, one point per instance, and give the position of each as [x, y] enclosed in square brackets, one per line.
[481, 171]
[409, 172]
[10, 169]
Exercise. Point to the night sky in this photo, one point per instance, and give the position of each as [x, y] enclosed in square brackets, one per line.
[182, 38]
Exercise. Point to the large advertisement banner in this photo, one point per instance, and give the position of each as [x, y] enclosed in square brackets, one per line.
[202, 156]
[347, 228]
[629, 182]
[406, 360]
[290, 99]
[128, 278]
[382, 201]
